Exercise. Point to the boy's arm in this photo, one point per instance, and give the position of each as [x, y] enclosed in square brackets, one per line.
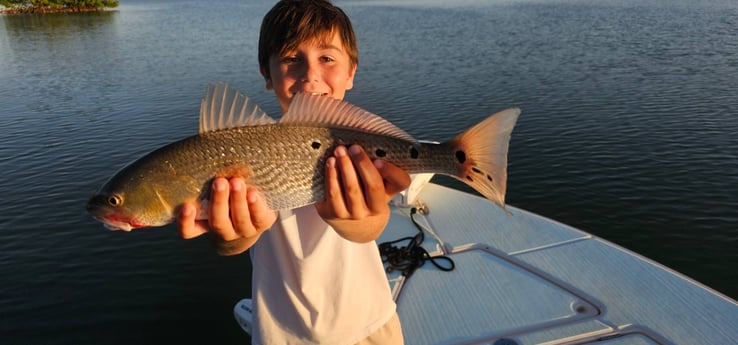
[237, 216]
[358, 192]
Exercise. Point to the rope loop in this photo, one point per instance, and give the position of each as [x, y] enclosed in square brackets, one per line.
[410, 257]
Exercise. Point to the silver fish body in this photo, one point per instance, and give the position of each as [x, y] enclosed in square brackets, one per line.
[286, 160]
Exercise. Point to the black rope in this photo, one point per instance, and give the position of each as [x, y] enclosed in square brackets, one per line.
[409, 258]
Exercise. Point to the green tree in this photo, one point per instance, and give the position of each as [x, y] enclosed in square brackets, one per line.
[57, 5]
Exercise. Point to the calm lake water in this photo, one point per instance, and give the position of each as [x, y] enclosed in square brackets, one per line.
[628, 131]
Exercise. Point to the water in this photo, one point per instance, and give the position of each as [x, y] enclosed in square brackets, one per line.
[628, 132]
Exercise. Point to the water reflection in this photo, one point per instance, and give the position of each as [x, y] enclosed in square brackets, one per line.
[54, 28]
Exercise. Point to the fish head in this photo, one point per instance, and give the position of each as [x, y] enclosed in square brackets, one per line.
[135, 199]
[110, 209]
[119, 209]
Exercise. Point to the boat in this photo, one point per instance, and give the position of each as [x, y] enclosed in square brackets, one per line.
[488, 275]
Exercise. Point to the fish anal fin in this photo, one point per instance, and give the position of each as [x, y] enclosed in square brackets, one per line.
[325, 111]
[224, 108]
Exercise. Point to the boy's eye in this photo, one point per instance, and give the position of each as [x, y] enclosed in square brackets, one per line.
[327, 59]
[289, 59]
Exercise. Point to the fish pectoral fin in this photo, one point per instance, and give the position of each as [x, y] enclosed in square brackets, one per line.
[164, 203]
[238, 170]
[204, 191]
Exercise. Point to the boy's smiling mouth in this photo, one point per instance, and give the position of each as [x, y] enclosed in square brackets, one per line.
[310, 92]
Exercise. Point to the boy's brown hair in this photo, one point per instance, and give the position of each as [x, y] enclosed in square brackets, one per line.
[291, 22]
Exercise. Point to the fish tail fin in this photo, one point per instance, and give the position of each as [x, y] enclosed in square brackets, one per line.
[481, 155]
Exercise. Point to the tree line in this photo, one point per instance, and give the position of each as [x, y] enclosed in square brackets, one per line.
[50, 6]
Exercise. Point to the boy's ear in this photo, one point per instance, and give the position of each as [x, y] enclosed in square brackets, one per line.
[267, 79]
[350, 81]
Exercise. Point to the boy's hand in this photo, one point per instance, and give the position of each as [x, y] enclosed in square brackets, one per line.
[237, 215]
[358, 192]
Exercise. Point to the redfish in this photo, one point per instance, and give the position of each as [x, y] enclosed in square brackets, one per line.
[286, 159]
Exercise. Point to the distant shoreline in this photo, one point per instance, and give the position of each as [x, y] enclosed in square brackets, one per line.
[44, 10]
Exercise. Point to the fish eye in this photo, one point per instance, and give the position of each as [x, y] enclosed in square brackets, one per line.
[115, 200]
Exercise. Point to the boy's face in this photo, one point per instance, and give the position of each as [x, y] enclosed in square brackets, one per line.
[313, 67]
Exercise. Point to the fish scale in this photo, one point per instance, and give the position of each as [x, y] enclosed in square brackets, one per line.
[286, 160]
[291, 173]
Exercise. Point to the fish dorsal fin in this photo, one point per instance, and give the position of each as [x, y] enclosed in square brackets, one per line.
[325, 111]
[225, 108]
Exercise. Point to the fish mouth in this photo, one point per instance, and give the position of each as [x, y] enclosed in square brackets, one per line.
[118, 227]
[112, 218]
[114, 223]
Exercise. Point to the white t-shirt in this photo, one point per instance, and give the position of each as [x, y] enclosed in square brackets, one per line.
[311, 286]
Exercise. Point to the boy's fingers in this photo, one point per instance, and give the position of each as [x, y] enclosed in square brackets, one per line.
[395, 179]
[239, 208]
[219, 218]
[373, 192]
[262, 217]
[188, 227]
[333, 206]
[352, 190]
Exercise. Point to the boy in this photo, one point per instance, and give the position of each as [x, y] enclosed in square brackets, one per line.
[318, 276]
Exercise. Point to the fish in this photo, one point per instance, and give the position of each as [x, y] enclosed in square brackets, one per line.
[286, 159]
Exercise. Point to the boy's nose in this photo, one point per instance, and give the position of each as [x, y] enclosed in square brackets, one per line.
[310, 73]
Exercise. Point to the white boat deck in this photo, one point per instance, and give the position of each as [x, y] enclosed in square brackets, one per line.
[525, 279]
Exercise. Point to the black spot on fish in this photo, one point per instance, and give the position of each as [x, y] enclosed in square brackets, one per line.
[315, 145]
[414, 153]
[489, 177]
[380, 153]
[461, 156]
[474, 169]
[468, 177]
